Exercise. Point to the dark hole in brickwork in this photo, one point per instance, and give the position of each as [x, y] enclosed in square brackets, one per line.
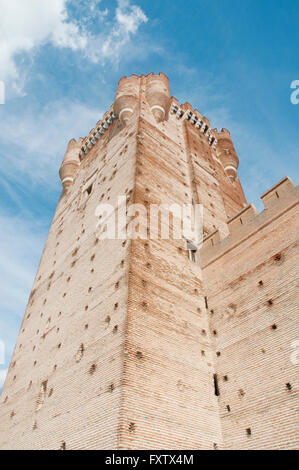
[288, 386]
[261, 283]
[218, 353]
[203, 353]
[216, 385]
[248, 431]
[115, 329]
[277, 257]
[206, 302]
[215, 446]
[111, 388]
[274, 327]
[63, 446]
[270, 302]
[139, 355]
[215, 332]
[225, 378]
[132, 427]
[228, 408]
[92, 369]
[241, 393]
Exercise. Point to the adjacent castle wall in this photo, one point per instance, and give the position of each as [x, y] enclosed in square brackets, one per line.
[250, 279]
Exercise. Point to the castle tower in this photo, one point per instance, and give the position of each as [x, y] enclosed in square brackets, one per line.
[150, 343]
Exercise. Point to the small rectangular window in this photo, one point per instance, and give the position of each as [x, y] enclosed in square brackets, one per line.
[192, 249]
[216, 385]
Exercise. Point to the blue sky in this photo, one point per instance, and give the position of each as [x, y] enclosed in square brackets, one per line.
[61, 61]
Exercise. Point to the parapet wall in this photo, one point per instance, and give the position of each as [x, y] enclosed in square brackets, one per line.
[278, 199]
[250, 280]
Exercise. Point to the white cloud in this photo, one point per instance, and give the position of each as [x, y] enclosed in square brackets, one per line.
[26, 25]
[3, 374]
[21, 241]
[35, 143]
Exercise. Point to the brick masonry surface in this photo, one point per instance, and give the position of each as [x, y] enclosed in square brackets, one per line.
[129, 344]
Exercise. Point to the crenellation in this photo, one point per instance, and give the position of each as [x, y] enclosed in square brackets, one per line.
[248, 221]
[282, 189]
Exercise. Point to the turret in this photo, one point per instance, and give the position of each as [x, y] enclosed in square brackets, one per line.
[227, 153]
[71, 163]
[126, 98]
[158, 95]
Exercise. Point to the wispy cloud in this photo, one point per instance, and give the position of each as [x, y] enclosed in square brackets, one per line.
[27, 25]
[35, 143]
[21, 241]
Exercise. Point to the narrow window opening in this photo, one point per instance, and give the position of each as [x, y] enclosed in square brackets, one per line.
[89, 190]
[192, 250]
[41, 395]
[277, 195]
[216, 386]
[132, 427]
[63, 446]
[206, 302]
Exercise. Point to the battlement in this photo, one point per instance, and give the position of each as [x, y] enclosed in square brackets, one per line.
[157, 95]
[277, 200]
[96, 133]
[185, 112]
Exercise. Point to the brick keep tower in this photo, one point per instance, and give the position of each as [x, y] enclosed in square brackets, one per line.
[129, 344]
